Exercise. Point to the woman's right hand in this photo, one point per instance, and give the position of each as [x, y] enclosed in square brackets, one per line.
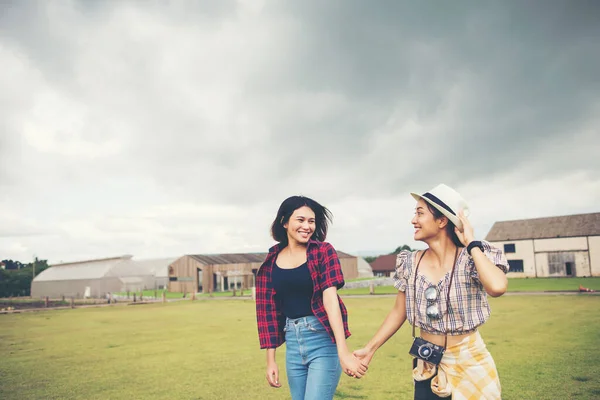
[352, 366]
[364, 355]
[273, 375]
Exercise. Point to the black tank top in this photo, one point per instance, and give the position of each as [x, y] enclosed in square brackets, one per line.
[294, 290]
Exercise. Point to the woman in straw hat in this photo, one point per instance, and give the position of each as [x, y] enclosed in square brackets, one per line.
[443, 292]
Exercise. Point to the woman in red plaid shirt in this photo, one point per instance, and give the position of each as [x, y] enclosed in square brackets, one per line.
[297, 303]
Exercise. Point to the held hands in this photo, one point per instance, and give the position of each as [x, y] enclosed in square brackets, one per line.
[352, 366]
[364, 355]
[273, 375]
[465, 236]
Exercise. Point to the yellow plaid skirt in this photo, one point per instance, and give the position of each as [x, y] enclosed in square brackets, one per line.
[467, 371]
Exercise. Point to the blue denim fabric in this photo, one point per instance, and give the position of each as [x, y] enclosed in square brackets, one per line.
[312, 363]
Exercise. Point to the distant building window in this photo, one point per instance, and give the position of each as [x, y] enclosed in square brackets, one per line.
[173, 278]
[509, 248]
[515, 265]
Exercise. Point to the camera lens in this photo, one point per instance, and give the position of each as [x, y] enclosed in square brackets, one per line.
[424, 351]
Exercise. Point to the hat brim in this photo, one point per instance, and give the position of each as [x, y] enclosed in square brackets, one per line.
[453, 218]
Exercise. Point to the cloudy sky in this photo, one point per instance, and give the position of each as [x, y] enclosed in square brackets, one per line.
[166, 128]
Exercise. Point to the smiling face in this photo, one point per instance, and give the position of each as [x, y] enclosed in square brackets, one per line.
[425, 224]
[301, 225]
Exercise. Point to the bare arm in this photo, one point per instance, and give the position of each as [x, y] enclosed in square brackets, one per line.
[492, 278]
[394, 320]
[350, 364]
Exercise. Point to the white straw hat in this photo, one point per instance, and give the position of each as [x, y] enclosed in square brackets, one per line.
[447, 200]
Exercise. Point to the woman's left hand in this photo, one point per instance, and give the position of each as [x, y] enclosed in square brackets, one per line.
[465, 236]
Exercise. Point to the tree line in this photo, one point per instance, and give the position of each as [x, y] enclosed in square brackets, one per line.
[16, 277]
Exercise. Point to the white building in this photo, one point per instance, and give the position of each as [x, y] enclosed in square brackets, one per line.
[96, 278]
[555, 246]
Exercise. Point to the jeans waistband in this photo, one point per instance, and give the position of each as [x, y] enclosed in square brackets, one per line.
[301, 321]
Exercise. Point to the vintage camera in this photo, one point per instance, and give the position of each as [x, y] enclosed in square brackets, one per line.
[426, 351]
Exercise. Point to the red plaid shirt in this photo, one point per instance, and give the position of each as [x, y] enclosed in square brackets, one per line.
[325, 271]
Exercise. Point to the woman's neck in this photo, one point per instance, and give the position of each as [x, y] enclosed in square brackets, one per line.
[294, 247]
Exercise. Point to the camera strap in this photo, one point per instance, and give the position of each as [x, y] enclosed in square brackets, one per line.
[447, 295]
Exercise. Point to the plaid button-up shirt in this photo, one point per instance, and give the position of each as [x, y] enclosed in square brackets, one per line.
[325, 272]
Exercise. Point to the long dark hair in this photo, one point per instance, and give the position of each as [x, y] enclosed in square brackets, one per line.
[437, 214]
[322, 218]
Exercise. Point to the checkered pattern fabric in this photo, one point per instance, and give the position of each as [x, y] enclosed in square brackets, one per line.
[469, 307]
[325, 271]
[467, 372]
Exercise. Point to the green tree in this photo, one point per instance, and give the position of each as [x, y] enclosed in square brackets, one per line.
[17, 282]
[401, 248]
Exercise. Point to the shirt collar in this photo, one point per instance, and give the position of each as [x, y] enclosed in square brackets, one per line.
[277, 247]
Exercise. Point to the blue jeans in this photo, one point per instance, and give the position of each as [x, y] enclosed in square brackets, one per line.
[312, 363]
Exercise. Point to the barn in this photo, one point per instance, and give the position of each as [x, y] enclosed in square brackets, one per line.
[222, 272]
[562, 246]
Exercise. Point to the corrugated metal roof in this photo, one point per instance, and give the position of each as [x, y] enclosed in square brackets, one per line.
[544, 228]
[74, 271]
[239, 258]
[159, 267]
[97, 260]
[94, 269]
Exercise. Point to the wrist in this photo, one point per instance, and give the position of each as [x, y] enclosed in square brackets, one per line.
[343, 350]
[371, 348]
[474, 244]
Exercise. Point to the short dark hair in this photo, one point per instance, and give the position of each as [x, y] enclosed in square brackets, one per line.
[322, 218]
[437, 214]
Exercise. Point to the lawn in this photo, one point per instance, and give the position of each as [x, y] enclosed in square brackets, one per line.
[545, 348]
[514, 285]
[151, 294]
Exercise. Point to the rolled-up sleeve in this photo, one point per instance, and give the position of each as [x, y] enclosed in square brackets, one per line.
[331, 270]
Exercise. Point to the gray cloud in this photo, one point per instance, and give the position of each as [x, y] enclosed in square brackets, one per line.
[122, 123]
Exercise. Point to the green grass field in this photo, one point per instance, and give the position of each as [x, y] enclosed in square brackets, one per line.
[545, 347]
[514, 285]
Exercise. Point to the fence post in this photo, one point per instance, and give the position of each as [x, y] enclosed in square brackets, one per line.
[134, 297]
[371, 288]
[72, 302]
[164, 297]
[193, 297]
[210, 292]
[46, 302]
[141, 296]
[63, 298]
[234, 292]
